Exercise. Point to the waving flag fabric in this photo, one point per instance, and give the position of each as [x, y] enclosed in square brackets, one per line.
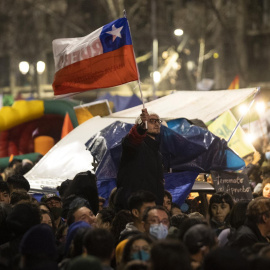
[101, 59]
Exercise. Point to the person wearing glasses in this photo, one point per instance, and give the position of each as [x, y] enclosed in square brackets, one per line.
[141, 165]
[156, 221]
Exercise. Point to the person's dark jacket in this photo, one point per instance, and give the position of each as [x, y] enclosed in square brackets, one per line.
[140, 167]
[246, 236]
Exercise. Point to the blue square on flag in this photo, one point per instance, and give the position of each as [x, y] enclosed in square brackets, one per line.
[115, 35]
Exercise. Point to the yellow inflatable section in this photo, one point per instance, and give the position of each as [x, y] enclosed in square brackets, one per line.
[20, 112]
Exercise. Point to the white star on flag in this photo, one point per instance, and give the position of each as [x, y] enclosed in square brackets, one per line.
[115, 32]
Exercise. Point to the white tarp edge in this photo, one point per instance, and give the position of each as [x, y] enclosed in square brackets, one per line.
[203, 105]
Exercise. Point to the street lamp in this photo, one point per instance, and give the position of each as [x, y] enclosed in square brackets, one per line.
[24, 67]
[178, 32]
[40, 67]
[35, 71]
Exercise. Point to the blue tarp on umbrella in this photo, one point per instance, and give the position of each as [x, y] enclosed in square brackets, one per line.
[196, 150]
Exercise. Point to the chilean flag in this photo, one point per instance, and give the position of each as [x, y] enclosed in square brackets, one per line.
[102, 59]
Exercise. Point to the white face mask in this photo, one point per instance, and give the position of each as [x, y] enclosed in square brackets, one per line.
[159, 231]
[267, 155]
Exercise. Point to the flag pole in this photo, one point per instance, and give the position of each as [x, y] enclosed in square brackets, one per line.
[139, 81]
[244, 114]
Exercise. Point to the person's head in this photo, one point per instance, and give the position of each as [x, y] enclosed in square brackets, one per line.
[156, 221]
[119, 223]
[258, 212]
[54, 203]
[175, 209]
[44, 207]
[20, 197]
[188, 223]
[84, 185]
[264, 172]
[81, 214]
[46, 218]
[22, 217]
[153, 124]
[139, 201]
[85, 263]
[99, 243]
[200, 238]
[137, 248]
[38, 246]
[18, 182]
[4, 192]
[104, 219]
[52, 200]
[167, 201]
[169, 254]
[248, 159]
[266, 187]
[225, 258]
[238, 213]
[177, 220]
[63, 187]
[76, 227]
[220, 206]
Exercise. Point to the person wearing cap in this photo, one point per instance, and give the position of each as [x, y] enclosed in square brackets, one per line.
[54, 203]
[199, 240]
[141, 165]
[256, 227]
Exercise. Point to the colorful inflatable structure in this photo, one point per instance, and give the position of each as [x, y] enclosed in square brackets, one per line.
[26, 121]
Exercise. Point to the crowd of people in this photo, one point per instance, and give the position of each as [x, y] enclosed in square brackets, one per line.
[138, 226]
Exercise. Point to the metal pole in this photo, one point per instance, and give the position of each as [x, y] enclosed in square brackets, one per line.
[155, 44]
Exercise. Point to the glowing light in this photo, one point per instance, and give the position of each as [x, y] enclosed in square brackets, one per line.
[178, 32]
[260, 107]
[24, 67]
[243, 109]
[165, 55]
[156, 76]
[40, 67]
[250, 137]
[215, 55]
[190, 65]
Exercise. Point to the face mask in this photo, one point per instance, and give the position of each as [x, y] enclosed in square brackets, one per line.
[140, 255]
[267, 155]
[56, 212]
[159, 231]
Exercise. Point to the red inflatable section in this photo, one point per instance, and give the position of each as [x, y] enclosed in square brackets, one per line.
[20, 139]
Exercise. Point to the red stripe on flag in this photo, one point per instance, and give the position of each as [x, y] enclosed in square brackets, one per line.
[105, 70]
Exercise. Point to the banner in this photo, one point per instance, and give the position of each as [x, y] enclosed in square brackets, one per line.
[223, 127]
[236, 184]
[102, 59]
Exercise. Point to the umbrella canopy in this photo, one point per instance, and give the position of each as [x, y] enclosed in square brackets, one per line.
[190, 148]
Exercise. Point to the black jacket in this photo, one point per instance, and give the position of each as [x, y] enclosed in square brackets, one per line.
[140, 167]
[246, 236]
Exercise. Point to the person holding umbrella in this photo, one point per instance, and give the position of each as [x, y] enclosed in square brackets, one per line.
[141, 165]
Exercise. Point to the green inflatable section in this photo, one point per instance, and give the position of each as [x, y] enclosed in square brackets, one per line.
[61, 107]
[31, 156]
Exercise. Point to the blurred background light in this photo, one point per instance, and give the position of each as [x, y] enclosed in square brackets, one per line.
[24, 67]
